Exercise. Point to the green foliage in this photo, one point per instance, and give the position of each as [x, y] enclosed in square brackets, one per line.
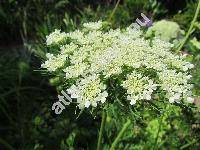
[184, 17]
[195, 43]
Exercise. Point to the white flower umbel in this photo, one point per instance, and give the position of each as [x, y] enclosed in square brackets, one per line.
[54, 62]
[138, 87]
[89, 91]
[91, 55]
[175, 84]
[93, 25]
[56, 37]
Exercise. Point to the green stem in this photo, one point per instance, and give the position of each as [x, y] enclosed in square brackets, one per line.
[113, 12]
[190, 29]
[157, 136]
[103, 120]
[6, 145]
[187, 145]
[116, 141]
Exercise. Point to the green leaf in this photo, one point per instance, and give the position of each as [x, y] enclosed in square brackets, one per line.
[195, 43]
[197, 25]
[61, 3]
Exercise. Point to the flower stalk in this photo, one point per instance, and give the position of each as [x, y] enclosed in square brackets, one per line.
[103, 120]
[124, 128]
[114, 10]
[190, 28]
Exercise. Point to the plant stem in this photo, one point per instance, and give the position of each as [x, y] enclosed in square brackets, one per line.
[190, 28]
[187, 145]
[103, 120]
[116, 141]
[113, 12]
[6, 145]
[157, 136]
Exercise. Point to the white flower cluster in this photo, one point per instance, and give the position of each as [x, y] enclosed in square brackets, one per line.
[93, 25]
[138, 87]
[176, 86]
[55, 37]
[54, 62]
[89, 91]
[93, 56]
